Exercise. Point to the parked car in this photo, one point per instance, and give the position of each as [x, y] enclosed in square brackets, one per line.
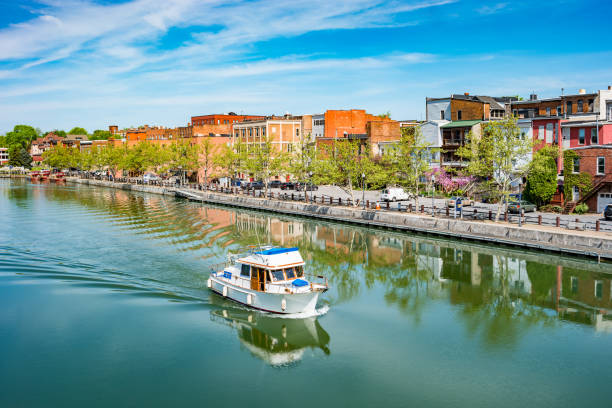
[465, 202]
[394, 194]
[253, 185]
[514, 207]
[238, 182]
[608, 212]
[274, 184]
[306, 187]
[149, 177]
[288, 185]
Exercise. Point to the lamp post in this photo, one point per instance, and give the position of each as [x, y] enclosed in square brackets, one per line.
[433, 181]
[520, 202]
[311, 186]
[363, 190]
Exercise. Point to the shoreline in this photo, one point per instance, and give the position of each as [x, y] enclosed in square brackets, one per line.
[587, 244]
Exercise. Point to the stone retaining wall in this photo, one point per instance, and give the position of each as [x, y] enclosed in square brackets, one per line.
[532, 238]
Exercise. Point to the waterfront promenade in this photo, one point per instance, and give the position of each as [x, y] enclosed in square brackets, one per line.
[572, 239]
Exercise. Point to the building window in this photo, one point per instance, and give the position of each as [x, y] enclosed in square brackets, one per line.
[458, 115]
[601, 165]
[441, 115]
[263, 132]
[580, 106]
[559, 110]
[580, 136]
[547, 111]
[541, 132]
[594, 136]
[257, 132]
[568, 108]
[577, 165]
[549, 133]
[591, 105]
[574, 281]
[598, 289]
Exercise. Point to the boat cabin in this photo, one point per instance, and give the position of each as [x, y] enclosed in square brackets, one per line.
[275, 266]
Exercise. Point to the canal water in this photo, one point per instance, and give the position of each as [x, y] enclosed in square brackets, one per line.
[103, 302]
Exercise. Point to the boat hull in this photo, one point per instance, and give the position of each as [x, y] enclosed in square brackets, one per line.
[269, 302]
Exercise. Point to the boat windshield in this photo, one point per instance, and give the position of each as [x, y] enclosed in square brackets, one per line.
[278, 275]
[290, 273]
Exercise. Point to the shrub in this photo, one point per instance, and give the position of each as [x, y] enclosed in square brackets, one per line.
[551, 208]
[581, 209]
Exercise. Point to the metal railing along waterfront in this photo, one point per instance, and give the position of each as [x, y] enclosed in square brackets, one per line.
[567, 222]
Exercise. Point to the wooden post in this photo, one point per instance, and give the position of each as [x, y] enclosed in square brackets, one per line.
[447, 211]
[577, 221]
[490, 215]
[387, 205]
[558, 221]
[422, 208]
[597, 225]
[540, 219]
[410, 207]
[339, 201]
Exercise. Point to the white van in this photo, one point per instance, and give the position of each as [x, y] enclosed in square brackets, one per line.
[393, 194]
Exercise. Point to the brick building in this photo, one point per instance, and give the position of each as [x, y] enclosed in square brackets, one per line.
[356, 124]
[42, 144]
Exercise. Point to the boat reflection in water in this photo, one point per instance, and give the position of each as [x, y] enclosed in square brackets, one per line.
[277, 341]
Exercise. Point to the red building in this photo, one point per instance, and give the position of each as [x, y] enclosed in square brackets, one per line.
[222, 119]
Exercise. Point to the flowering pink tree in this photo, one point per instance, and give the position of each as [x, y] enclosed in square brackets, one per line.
[448, 182]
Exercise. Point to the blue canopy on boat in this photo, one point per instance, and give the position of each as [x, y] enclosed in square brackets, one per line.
[299, 282]
[276, 251]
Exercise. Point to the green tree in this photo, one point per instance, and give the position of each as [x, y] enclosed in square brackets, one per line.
[61, 157]
[229, 161]
[499, 154]
[263, 161]
[300, 165]
[411, 160]
[542, 176]
[22, 135]
[3, 141]
[77, 131]
[19, 157]
[208, 151]
[100, 135]
[342, 164]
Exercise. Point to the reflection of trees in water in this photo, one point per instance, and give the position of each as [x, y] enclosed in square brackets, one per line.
[489, 284]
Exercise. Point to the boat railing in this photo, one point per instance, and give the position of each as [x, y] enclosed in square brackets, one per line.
[317, 279]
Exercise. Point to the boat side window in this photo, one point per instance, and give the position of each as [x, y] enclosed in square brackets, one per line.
[268, 279]
[299, 271]
[290, 273]
[278, 275]
[245, 271]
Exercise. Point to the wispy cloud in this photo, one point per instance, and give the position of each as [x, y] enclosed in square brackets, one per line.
[492, 9]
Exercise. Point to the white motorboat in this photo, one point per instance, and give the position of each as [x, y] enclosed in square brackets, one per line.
[269, 278]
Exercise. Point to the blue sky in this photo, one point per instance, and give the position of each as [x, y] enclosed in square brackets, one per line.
[66, 63]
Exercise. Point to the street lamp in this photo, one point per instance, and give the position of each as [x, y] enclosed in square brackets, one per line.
[311, 186]
[433, 187]
[363, 191]
[520, 206]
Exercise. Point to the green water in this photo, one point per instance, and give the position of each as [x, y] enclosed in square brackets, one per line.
[103, 302]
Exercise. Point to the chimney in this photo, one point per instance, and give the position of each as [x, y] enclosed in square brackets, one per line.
[581, 91]
[466, 93]
[609, 87]
[533, 97]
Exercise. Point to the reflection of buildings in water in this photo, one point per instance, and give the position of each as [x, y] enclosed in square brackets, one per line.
[585, 298]
[277, 341]
[279, 231]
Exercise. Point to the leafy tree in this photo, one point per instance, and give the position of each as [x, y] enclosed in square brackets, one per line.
[208, 151]
[411, 159]
[3, 141]
[542, 176]
[22, 135]
[496, 155]
[228, 162]
[263, 161]
[342, 164]
[301, 164]
[386, 115]
[19, 157]
[100, 135]
[112, 157]
[77, 131]
[61, 157]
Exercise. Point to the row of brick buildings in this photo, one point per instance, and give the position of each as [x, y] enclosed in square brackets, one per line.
[581, 122]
